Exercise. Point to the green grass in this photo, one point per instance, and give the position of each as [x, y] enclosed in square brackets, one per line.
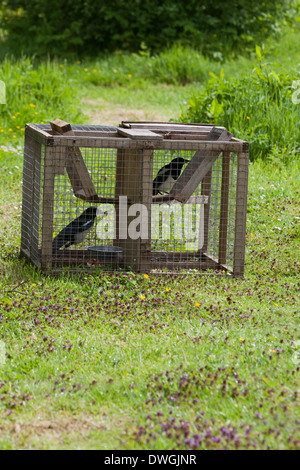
[85, 355]
[129, 362]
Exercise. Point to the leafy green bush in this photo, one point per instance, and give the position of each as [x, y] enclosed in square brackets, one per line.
[86, 27]
[258, 108]
[177, 66]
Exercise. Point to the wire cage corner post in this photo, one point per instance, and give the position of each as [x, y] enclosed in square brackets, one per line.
[31, 198]
[197, 223]
[241, 211]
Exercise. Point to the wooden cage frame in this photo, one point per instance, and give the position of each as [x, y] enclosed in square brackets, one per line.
[135, 143]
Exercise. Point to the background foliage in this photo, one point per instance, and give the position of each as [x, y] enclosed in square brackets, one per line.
[90, 27]
[257, 107]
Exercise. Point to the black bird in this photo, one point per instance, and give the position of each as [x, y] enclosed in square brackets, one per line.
[167, 175]
[76, 231]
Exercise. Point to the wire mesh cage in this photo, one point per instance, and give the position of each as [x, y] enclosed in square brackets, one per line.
[144, 196]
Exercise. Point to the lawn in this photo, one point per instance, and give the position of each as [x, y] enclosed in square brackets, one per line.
[130, 361]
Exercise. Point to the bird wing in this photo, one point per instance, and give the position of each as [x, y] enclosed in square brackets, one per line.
[175, 171]
[160, 178]
[67, 235]
[60, 240]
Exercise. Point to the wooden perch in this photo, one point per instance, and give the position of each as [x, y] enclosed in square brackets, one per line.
[80, 178]
[166, 199]
[198, 167]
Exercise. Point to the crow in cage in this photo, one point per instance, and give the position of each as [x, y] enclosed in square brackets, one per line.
[77, 230]
[167, 175]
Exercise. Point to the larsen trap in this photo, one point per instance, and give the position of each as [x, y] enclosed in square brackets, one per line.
[144, 196]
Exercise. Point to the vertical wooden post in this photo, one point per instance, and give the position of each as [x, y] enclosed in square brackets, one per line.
[224, 208]
[134, 175]
[127, 178]
[48, 206]
[241, 212]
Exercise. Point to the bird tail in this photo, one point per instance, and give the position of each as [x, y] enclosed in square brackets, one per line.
[57, 243]
[155, 189]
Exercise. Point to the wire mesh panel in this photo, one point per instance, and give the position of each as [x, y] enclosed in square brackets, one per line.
[32, 170]
[101, 164]
[145, 197]
[177, 229]
[221, 185]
